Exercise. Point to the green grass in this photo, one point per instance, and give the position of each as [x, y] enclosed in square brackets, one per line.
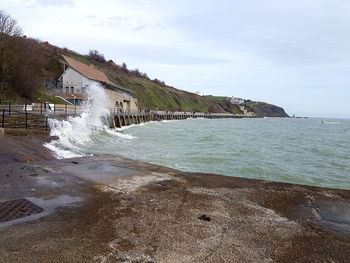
[150, 95]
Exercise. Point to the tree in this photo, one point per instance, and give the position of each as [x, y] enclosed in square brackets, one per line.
[8, 30]
[97, 56]
[9, 26]
[19, 67]
[136, 72]
[159, 82]
[124, 68]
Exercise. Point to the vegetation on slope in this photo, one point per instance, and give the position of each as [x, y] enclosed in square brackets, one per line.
[262, 109]
[25, 62]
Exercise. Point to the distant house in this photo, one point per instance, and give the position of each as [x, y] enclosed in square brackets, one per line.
[77, 77]
[237, 101]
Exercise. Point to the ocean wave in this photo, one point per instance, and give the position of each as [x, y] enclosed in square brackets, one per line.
[61, 153]
[119, 134]
[77, 132]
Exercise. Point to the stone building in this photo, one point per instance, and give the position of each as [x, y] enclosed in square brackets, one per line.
[77, 77]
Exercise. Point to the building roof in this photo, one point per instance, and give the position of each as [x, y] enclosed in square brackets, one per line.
[86, 70]
[92, 73]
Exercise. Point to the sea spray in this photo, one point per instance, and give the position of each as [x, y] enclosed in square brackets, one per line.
[78, 131]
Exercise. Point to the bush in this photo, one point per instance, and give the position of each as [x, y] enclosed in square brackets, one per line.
[97, 56]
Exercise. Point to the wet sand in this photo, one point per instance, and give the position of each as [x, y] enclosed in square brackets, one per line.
[113, 209]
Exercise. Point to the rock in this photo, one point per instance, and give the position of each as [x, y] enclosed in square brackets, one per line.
[204, 217]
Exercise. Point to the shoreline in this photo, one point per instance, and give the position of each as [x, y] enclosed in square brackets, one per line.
[107, 208]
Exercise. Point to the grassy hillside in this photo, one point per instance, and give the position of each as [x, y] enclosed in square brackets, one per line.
[151, 94]
[262, 109]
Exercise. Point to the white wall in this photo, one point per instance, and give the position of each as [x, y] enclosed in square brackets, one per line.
[72, 78]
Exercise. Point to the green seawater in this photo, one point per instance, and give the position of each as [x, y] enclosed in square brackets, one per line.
[303, 151]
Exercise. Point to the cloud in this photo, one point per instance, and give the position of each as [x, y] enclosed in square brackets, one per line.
[55, 3]
[130, 23]
[280, 32]
[281, 51]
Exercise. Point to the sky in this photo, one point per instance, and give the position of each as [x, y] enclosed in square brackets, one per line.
[295, 54]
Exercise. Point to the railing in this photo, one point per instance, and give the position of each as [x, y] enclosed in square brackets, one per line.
[34, 115]
[118, 111]
[122, 112]
[15, 115]
[41, 108]
[19, 119]
[67, 109]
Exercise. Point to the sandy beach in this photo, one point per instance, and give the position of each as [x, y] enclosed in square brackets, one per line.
[112, 209]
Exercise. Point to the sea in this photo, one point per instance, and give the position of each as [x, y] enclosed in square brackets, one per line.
[313, 151]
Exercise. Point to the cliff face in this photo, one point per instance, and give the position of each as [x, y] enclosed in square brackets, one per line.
[262, 109]
[151, 94]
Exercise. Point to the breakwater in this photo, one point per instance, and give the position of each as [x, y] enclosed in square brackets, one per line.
[118, 120]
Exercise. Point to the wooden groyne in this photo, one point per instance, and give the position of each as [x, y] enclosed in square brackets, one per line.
[118, 120]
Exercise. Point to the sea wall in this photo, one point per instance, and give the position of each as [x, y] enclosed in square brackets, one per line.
[121, 101]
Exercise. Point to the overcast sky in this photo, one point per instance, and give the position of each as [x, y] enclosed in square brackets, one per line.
[293, 53]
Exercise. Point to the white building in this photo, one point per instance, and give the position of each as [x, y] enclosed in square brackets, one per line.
[237, 101]
[77, 77]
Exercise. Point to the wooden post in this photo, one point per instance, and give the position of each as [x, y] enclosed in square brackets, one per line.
[46, 123]
[41, 108]
[3, 119]
[26, 119]
[54, 108]
[65, 108]
[9, 108]
[25, 107]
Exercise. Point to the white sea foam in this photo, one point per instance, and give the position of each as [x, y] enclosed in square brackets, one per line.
[119, 134]
[331, 122]
[136, 125]
[126, 127]
[76, 132]
[61, 153]
[168, 121]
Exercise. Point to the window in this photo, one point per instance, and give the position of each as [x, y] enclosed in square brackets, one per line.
[67, 89]
[83, 90]
[72, 90]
